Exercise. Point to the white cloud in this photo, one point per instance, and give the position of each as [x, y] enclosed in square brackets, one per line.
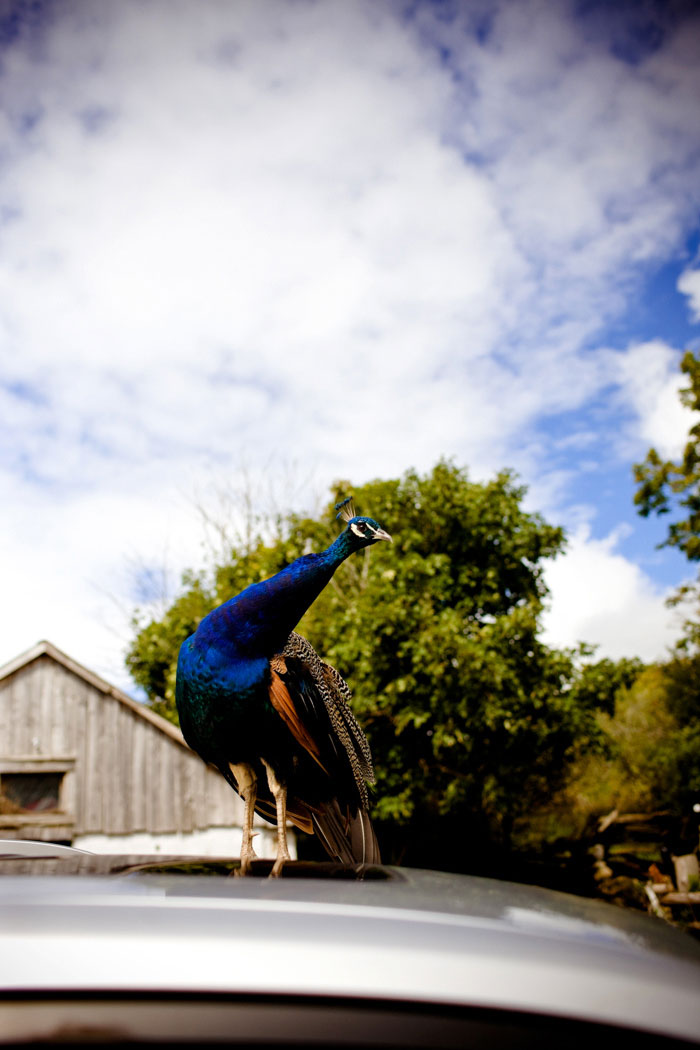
[650, 381]
[233, 234]
[585, 148]
[689, 284]
[600, 597]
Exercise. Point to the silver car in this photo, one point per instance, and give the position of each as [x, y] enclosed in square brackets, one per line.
[124, 950]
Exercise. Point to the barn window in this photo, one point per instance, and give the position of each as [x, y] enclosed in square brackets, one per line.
[30, 792]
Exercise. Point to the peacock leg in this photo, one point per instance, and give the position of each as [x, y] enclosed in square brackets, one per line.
[248, 790]
[279, 792]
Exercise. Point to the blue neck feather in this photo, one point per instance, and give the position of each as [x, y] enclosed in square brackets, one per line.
[260, 618]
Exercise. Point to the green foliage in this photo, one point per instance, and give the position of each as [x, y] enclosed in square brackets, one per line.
[471, 718]
[598, 685]
[667, 487]
[649, 759]
[643, 730]
[683, 702]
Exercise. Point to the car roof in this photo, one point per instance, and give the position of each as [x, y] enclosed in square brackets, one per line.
[372, 933]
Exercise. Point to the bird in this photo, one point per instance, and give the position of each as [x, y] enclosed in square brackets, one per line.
[256, 701]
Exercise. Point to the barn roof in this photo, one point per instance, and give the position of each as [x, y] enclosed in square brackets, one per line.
[45, 648]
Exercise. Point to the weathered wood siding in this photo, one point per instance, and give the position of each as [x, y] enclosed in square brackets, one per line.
[126, 770]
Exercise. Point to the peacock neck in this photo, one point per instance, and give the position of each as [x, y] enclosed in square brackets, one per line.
[262, 616]
[341, 548]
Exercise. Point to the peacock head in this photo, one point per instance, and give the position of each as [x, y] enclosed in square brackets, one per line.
[365, 531]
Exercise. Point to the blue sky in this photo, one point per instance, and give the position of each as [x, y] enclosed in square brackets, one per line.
[258, 247]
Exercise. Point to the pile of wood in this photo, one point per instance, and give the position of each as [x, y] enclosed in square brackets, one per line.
[648, 861]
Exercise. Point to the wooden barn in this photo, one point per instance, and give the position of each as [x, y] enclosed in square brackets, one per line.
[83, 763]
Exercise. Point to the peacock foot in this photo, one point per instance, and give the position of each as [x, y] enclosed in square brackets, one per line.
[248, 855]
[282, 858]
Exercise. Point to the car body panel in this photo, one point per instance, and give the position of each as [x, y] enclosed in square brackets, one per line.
[378, 934]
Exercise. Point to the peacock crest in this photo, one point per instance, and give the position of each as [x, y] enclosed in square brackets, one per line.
[346, 510]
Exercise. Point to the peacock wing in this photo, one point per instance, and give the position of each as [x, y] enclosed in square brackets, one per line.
[323, 699]
[312, 699]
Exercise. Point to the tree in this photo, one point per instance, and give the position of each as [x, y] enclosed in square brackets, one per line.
[673, 487]
[666, 487]
[471, 717]
[631, 771]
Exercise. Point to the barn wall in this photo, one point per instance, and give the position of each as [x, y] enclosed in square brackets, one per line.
[124, 774]
[208, 842]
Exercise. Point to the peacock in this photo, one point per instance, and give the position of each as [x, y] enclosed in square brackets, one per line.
[257, 702]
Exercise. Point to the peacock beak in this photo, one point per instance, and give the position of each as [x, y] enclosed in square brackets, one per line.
[380, 534]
